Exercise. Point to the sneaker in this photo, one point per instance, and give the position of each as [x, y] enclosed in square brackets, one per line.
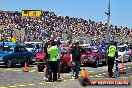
[112, 77]
[60, 78]
[73, 77]
[45, 79]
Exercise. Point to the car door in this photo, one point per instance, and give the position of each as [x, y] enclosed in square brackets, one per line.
[16, 55]
[103, 51]
[127, 54]
[25, 54]
[100, 53]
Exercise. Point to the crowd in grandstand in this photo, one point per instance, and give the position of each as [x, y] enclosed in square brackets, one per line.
[51, 25]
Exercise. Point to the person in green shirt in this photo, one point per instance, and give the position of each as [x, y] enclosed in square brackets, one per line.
[53, 64]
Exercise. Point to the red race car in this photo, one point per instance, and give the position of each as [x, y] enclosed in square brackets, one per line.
[40, 61]
[65, 61]
[95, 55]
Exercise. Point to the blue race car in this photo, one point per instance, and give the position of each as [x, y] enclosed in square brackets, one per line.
[11, 54]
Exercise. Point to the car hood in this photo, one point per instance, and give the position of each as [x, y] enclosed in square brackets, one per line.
[29, 49]
[4, 53]
[88, 55]
[120, 53]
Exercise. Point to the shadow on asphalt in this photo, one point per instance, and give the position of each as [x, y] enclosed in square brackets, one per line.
[93, 66]
[16, 66]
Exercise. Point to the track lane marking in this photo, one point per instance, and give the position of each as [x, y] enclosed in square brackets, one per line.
[17, 70]
[8, 69]
[12, 86]
[22, 85]
[30, 84]
[130, 76]
[104, 73]
[42, 83]
[91, 76]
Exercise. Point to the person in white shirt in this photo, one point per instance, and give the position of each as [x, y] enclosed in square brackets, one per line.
[60, 49]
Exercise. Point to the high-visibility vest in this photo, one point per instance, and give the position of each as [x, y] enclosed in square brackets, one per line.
[53, 53]
[126, 45]
[111, 51]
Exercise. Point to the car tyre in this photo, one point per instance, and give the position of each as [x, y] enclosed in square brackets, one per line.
[130, 58]
[40, 69]
[8, 64]
[23, 63]
[97, 63]
[64, 67]
[105, 63]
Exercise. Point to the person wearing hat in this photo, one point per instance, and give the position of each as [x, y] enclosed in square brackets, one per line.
[76, 55]
[53, 64]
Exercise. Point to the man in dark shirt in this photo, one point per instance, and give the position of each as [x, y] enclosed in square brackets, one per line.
[46, 46]
[76, 55]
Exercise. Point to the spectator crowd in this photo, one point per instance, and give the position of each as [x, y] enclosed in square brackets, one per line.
[51, 25]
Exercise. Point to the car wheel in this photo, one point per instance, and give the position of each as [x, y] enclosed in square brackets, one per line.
[64, 67]
[23, 63]
[40, 69]
[130, 58]
[97, 63]
[105, 63]
[8, 63]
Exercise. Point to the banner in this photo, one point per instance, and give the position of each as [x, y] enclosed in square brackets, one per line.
[34, 13]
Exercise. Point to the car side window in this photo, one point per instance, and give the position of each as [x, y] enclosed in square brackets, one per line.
[17, 49]
[103, 50]
[127, 49]
[99, 50]
[23, 49]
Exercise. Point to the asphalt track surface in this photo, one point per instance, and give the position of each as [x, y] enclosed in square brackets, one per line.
[16, 78]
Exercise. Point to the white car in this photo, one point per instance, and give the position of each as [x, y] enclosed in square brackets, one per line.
[32, 45]
[126, 51]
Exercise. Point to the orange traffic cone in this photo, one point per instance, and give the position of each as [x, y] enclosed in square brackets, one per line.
[86, 74]
[122, 72]
[25, 68]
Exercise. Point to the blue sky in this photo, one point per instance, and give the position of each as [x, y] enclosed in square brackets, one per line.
[121, 12]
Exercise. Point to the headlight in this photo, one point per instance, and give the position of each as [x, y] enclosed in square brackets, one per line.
[38, 60]
[82, 56]
[91, 57]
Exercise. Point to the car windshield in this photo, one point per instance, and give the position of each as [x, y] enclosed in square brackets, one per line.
[88, 49]
[29, 46]
[121, 49]
[94, 49]
[6, 48]
[68, 51]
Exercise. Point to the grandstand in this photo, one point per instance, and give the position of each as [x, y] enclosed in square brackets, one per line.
[40, 28]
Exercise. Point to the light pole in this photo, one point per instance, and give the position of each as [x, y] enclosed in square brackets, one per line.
[108, 20]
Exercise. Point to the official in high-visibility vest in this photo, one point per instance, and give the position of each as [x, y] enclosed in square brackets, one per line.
[53, 64]
[112, 54]
[127, 45]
